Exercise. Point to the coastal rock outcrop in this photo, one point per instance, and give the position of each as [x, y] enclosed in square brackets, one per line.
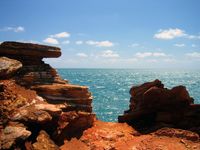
[29, 50]
[8, 67]
[44, 79]
[38, 97]
[11, 134]
[152, 105]
[44, 142]
[76, 97]
[40, 110]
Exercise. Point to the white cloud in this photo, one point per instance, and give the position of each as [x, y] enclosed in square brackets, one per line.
[61, 35]
[82, 55]
[109, 54]
[14, 29]
[195, 55]
[193, 45]
[152, 60]
[157, 54]
[100, 43]
[79, 42]
[169, 60]
[193, 36]
[19, 29]
[90, 42]
[105, 44]
[134, 45]
[179, 45]
[29, 41]
[149, 54]
[66, 42]
[169, 34]
[51, 41]
[143, 55]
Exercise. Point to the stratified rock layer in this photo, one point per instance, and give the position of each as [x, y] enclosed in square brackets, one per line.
[18, 49]
[40, 110]
[8, 67]
[153, 105]
[39, 98]
[75, 97]
[41, 77]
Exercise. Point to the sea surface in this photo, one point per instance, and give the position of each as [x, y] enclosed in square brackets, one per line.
[110, 87]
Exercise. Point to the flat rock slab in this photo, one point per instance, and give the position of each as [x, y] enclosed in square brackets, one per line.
[29, 49]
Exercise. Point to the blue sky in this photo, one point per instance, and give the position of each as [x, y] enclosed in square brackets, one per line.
[108, 33]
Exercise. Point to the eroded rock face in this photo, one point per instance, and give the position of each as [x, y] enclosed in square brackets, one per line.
[8, 67]
[36, 104]
[153, 105]
[10, 134]
[39, 98]
[44, 142]
[76, 97]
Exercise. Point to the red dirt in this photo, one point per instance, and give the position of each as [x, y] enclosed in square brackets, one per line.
[120, 136]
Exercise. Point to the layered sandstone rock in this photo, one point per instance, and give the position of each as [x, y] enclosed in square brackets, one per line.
[41, 77]
[8, 67]
[20, 105]
[20, 50]
[75, 97]
[40, 110]
[153, 105]
[38, 97]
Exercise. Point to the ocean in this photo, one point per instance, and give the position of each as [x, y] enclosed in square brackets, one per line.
[110, 87]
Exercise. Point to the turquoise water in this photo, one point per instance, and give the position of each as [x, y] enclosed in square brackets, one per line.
[110, 87]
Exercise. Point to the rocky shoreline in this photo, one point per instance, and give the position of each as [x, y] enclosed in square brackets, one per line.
[40, 110]
[152, 106]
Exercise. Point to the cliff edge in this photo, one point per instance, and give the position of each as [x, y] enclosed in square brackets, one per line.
[152, 106]
[36, 100]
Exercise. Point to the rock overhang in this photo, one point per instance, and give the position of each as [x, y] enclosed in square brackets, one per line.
[11, 48]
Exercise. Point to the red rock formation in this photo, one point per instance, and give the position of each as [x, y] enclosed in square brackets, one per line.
[20, 96]
[41, 77]
[156, 106]
[38, 109]
[8, 67]
[18, 49]
[44, 142]
[75, 97]
[11, 134]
